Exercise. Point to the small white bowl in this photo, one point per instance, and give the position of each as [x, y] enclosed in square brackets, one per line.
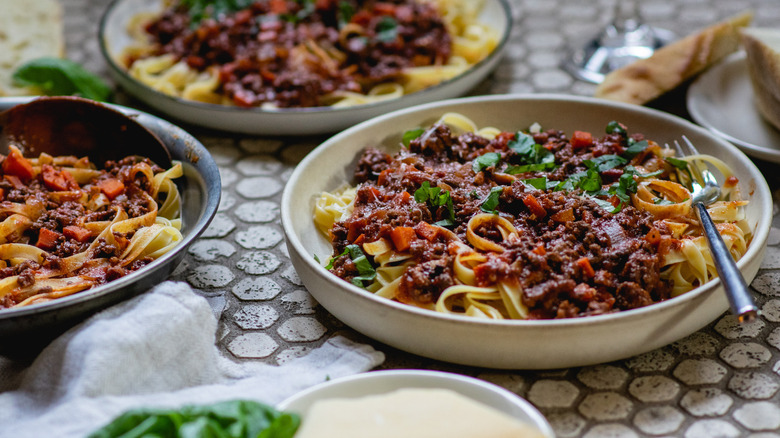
[286, 121]
[381, 382]
[515, 344]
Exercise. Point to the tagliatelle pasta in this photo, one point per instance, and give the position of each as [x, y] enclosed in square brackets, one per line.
[66, 226]
[531, 224]
[289, 53]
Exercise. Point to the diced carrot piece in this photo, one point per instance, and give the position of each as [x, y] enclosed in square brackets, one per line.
[402, 237]
[384, 9]
[278, 6]
[405, 197]
[587, 269]
[111, 187]
[47, 239]
[653, 236]
[15, 164]
[381, 179]
[57, 180]
[360, 239]
[539, 250]
[533, 204]
[563, 215]
[426, 231]
[581, 139]
[78, 233]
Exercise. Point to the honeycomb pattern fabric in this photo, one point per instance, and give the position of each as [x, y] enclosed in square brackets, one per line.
[722, 381]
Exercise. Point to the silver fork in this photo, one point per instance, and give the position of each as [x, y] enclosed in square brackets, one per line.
[742, 305]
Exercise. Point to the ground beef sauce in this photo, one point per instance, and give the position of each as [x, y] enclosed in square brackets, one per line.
[291, 53]
[61, 221]
[558, 229]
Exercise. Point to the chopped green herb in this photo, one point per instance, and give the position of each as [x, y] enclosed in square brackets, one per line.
[661, 201]
[606, 205]
[614, 127]
[366, 272]
[605, 162]
[411, 135]
[387, 30]
[233, 418]
[345, 13]
[676, 162]
[490, 203]
[635, 149]
[537, 183]
[435, 197]
[199, 10]
[529, 152]
[514, 170]
[61, 77]
[316, 259]
[484, 161]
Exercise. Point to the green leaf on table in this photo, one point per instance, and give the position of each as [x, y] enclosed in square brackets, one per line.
[236, 418]
[61, 77]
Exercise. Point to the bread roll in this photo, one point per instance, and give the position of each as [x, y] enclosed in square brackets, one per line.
[762, 46]
[28, 30]
[673, 64]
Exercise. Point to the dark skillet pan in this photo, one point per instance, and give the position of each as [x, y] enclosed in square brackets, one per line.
[89, 122]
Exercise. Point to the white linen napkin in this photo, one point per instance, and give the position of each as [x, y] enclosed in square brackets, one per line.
[156, 350]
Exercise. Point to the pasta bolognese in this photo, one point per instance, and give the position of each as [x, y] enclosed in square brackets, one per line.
[533, 224]
[292, 53]
[66, 226]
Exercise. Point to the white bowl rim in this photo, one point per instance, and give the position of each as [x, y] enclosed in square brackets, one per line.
[760, 234]
[538, 420]
[117, 69]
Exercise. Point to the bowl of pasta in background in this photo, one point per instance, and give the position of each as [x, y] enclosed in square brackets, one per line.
[199, 188]
[510, 344]
[115, 40]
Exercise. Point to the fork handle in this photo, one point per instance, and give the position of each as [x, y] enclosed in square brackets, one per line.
[742, 304]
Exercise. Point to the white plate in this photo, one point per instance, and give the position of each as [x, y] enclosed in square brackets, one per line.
[510, 343]
[381, 382]
[288, 121]
[721, 99]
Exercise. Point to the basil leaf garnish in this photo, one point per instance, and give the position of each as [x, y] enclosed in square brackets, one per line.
[490, 203]
[484, 161]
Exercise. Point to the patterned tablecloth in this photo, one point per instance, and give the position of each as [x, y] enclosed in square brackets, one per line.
[720, 381]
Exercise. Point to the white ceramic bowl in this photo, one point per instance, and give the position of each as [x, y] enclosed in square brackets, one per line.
[290, 121]
[381, 382]
[510, 344]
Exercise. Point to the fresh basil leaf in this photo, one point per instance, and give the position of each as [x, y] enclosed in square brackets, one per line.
[345, 13]
[605, 162]
[662, 201]
[61, 77]
[537, 183]
[387, 30]
[514, 170]
[636, 149]
[522, 143]
[444, 223]
[435, 197]
[632, 169]
[238, 418]
[676, 162]
[614, 127]
[366, 271]
[198, 10]
[627, 183]
[329, 266]
[484, 161]
[606, 205]
[411, 135]
[591, 181]
[490, 203]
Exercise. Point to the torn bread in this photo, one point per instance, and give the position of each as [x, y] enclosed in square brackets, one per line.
[762, 46]
[673, 64]
[28, 30]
